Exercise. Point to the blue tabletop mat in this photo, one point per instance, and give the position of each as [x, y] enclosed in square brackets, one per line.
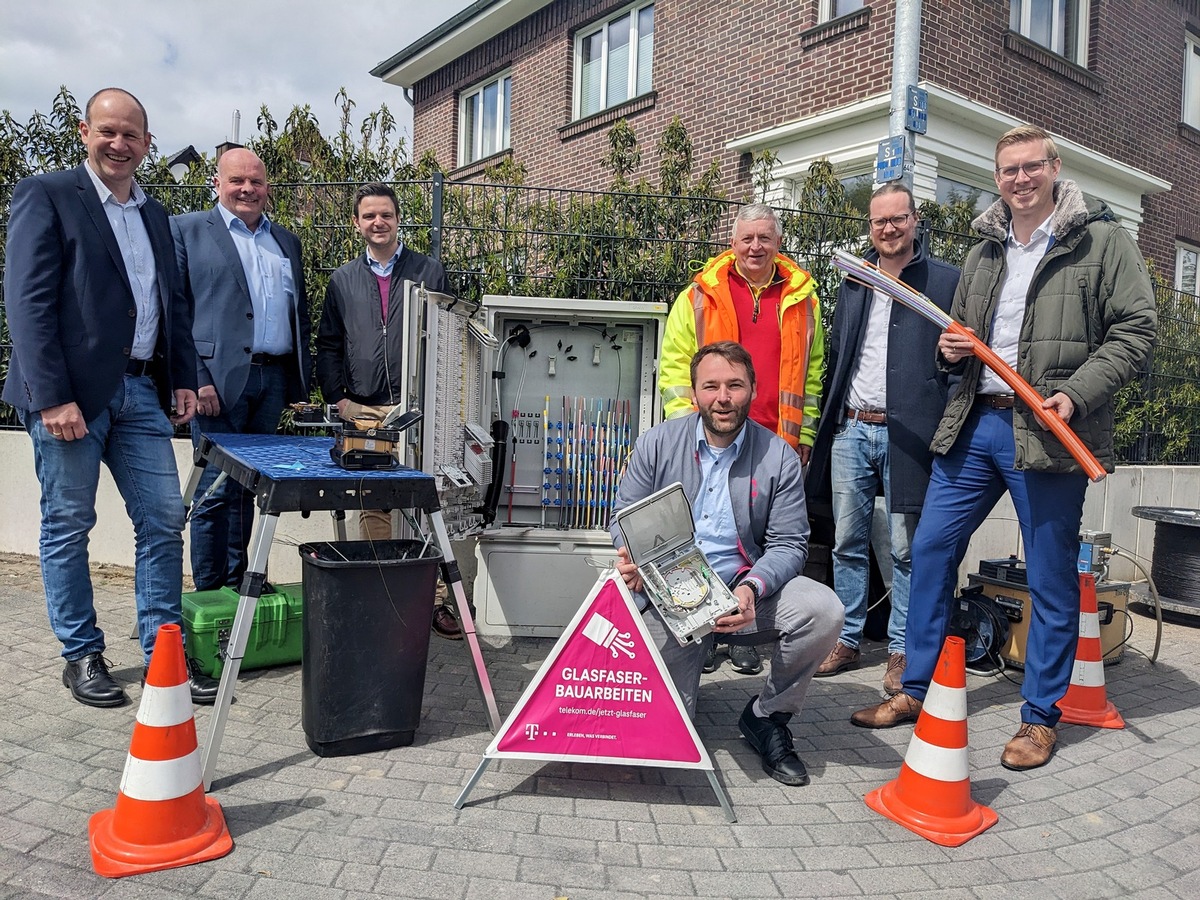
[282, 457]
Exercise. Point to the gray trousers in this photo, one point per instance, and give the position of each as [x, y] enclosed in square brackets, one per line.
[804, 616]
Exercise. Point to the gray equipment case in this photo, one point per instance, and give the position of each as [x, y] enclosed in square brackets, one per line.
[661, 539]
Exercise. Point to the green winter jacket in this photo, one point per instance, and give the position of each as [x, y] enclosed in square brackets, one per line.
[1090, 323]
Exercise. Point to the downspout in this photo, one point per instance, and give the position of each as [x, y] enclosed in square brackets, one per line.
[906, 59]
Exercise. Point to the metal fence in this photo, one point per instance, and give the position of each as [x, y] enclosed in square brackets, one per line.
[641, 247]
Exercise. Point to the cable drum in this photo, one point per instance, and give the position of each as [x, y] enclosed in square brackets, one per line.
[1175, 561]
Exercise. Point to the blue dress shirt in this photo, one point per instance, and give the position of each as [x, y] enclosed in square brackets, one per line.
[271, 282]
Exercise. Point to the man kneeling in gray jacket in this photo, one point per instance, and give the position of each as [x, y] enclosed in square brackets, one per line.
[746, 489]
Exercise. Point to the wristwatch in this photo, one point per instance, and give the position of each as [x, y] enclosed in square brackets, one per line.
[754, 588]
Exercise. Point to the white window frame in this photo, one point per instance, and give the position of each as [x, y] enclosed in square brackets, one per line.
[470, 145]
[630, 12]
[1190, 115]
[1058, 28]
[826, 9]
[1187, 259]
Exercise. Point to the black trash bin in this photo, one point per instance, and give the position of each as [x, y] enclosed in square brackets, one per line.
[367, 609]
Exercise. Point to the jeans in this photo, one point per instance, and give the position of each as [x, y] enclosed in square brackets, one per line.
[859, 462]
[965, 485]
[222, 524]
[132, 436]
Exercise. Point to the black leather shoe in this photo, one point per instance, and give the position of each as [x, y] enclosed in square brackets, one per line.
[89, 682]
[203, 688]
[711, 661]
[773, 741]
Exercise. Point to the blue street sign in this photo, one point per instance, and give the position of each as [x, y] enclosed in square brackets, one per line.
[889, 163]
[916, 110]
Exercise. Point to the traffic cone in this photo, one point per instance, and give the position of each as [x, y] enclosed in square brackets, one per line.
[1086, 700]
[932, 794]
[162, 820]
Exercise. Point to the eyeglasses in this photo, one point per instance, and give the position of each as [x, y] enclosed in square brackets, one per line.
[1032, 169]
[895, 221]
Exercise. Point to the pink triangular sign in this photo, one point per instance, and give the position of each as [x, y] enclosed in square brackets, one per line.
[603, 695]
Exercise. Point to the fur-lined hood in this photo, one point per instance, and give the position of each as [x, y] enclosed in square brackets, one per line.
[1072, 208]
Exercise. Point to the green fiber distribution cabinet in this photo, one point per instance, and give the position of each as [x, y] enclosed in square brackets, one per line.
[276, 636]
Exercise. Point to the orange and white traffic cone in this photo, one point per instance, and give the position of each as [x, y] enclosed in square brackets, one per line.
[932, 794]
[1086, 700]
[162, 820]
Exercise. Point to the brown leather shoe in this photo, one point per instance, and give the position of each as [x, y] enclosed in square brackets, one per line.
[839, 659]
[1032, 746]
[893, 678]
[445, 624]
[895, 710]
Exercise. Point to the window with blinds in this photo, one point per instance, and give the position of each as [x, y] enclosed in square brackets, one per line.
[614, 60]
[483, 119]
[1191, 81]
[1060, 26]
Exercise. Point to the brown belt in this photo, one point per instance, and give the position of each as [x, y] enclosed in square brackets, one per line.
[996, 401]
[865, 415]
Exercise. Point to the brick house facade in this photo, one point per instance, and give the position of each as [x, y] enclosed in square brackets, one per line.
[795, 77]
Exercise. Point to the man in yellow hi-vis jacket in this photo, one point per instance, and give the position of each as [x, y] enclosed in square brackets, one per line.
[756, 296]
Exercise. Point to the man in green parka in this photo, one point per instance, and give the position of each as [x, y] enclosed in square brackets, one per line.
[1058, 289]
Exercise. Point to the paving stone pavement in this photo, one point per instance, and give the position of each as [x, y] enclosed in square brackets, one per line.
[1115, 814]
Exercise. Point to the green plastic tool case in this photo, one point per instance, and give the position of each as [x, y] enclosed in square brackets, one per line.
[276, 636]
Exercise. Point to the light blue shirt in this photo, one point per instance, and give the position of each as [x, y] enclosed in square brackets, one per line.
[716, 532]
[269, 277]
[384, 270]
[138, 255]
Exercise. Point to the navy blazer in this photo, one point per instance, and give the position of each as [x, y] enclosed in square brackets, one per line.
[70, 308]
[214, 283]
[916, 391]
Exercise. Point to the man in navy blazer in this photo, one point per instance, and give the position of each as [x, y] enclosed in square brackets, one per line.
[102, 355]
[884, 398]
[243, 275]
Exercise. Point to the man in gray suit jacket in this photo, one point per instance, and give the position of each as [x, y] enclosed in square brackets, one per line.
[244, 276]
[747, 494]
[102, 355]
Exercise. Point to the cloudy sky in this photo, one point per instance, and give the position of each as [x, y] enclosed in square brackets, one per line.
[193, 63]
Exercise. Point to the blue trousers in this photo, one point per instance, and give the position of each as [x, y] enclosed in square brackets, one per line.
[965, 485]
[132, 437]
[860, 462]
[222, 524]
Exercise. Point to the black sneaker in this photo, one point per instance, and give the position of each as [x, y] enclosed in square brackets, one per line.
[90, 682]
[711, 661]
[745, 659]
[772, 740]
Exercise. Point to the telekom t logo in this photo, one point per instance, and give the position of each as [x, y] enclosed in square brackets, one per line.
[531, 731]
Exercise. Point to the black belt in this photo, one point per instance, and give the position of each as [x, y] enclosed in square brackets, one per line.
[268, 359]
[866, 415]
[138, 367]
[996, 401]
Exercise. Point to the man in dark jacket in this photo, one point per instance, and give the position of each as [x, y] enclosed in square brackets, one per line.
[360, 342]
[883, 398]
[1059, 290]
